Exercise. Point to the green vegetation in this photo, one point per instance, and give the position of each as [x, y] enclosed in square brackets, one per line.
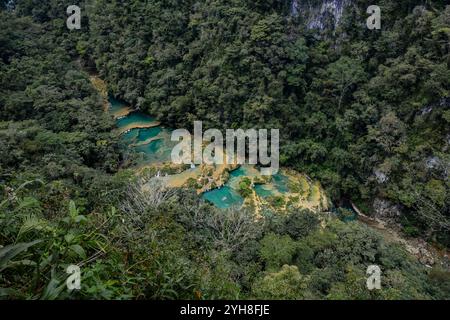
[350, 105]
[245, 187]
[365, 113]
[182, 248]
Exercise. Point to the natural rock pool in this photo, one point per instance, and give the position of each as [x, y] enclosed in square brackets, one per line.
[143, 135]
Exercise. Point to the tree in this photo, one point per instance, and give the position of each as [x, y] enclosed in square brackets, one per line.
[343, 74]
[277, 250]
[299, 224]
[286, 284]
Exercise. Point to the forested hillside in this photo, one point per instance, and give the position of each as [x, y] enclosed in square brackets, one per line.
[365, 112]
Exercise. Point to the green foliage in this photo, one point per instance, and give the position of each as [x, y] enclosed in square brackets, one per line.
[349, 105]
[277, 250]
[299, 224]
[245, 187]
[276, 201]
[9, 252]
[287, 284]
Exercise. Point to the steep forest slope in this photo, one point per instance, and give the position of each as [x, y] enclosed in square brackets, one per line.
[365, 112]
